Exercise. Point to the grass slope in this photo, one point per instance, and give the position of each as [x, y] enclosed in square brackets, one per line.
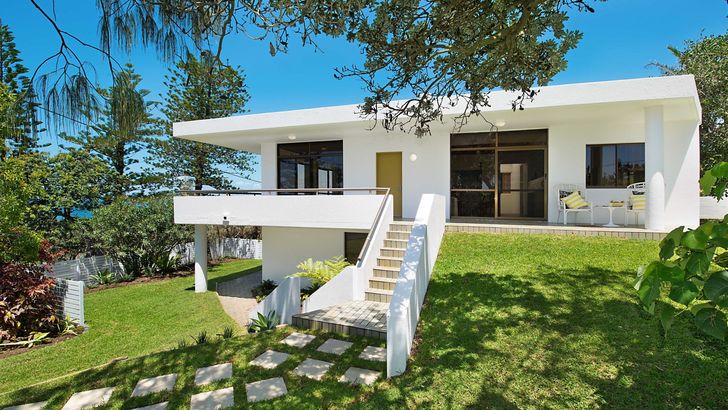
[510, 321]
[128, 321]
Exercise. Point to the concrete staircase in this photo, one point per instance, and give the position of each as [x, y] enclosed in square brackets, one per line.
[384, 276]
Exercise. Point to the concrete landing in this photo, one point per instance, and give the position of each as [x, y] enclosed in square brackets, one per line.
[357, 318]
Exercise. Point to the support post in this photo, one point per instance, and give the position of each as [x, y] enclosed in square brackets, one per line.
[654, 168]
[200, 258]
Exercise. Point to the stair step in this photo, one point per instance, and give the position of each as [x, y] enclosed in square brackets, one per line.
[382, 283]
[396, 243]
[392, 252]
[389, 262]
[400, 227]
[385, 272]
[398, 235]
[378, 295]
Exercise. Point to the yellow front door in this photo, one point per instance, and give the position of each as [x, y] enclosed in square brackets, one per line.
[389, 175]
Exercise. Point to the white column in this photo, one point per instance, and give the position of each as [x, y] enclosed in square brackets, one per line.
[654, 168]
[200, 258]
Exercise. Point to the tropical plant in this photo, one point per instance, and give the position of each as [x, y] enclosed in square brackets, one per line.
[137, 232]
[320, 272]
[227, 332]
[166, 263]
[181, 344]
[201, 338]
[264, 322]
[103, 278]
[691, 270]
[32, 340]
[67, 326]
[263, 290]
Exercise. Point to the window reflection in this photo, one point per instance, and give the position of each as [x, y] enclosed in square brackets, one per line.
[310, 165]
[614, 165]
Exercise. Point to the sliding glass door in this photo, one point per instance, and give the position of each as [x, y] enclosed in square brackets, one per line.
[498, 175]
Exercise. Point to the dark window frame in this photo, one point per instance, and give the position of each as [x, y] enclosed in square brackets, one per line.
[617, 178]
[312, 157]
[360, 236]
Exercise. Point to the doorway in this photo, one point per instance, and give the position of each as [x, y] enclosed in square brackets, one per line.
[389, 175]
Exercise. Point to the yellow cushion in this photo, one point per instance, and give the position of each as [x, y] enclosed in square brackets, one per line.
[638, 202]
[574, 201]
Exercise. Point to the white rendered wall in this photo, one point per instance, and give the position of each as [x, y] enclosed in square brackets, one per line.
[269, 165]
[567, 165]
[284, 248]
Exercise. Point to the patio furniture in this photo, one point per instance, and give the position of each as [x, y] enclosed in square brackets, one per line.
[562, 192]
[611, 209]
[635, 202]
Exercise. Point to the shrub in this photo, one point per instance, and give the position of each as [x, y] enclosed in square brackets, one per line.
[201, 338]
[103, 278]
[227, 332]
[166, 263]
[320, 272]
[27, 303]
[263, 290]
[138, 232]
[263, 323]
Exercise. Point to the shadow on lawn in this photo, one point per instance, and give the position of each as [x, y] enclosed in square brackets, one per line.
[558, 338]
[212, 282]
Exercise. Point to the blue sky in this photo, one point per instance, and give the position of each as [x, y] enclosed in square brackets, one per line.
[620, 40]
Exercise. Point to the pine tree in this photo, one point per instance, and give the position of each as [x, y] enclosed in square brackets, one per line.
[123, 130]
[22, 135]
[201, 88]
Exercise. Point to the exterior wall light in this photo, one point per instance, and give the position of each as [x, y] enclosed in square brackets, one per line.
[291, 137]
[500, 123]
[413, 157]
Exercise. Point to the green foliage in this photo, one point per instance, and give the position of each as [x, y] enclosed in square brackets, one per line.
[227, 333]
[264, 322]
[18, 241]
[102, 278]
[263, 290]
[706, 60]
[123, 129]
[137, 232]
[200, 89]
[166, 264]
[182, 344]
[201, 338]
[320, 272]
[685, 270]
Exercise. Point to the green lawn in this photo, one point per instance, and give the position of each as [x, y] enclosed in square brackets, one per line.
[128, 321]
[510, 321]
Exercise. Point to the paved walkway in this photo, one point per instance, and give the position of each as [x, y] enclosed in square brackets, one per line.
[236, 298]
[259, 390]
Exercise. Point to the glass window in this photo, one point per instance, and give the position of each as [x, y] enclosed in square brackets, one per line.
[472, 140]
[614, 165]
[472, 203]
[353, 243]
[522, 138]
[311, 165]
[472, 169]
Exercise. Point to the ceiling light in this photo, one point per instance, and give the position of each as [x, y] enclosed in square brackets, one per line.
[500, 123]
[291, 137]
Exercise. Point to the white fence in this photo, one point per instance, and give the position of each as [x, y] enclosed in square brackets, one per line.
[69, 295]
[711, 208]
[414, 276]
[81, 269]
[223, 248]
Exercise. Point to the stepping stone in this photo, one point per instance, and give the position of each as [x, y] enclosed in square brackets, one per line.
[213, 400]
[357, 376]
[266, 389]
[313, 369]
[207, 375]
[30, 406]
[89, 399]
[376, 354]
[270, 359]
[158, 406]
[298, 339]
[154, 385]
[335, 346]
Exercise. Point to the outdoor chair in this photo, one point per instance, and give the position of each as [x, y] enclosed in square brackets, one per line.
[635, 202]
[562, 192]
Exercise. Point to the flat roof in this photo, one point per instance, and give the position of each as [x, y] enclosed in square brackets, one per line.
[678, 91]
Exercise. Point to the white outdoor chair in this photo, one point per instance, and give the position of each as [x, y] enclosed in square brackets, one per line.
[638, 188]
[563, 190]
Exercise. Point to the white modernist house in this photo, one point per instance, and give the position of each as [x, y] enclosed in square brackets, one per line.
[600, 136]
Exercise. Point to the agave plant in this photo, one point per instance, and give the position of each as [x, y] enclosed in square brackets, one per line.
[264, 322]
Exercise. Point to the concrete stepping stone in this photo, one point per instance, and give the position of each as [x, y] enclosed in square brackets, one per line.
[213, 400]
[270, 359]
[207, 375]
[335, 346]
[357, 376]
[30, 406]
[375, 354]
[298, 339]
[313, 369]
[89, 399]
[154, 385]
[158, 406]
[266, 389]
